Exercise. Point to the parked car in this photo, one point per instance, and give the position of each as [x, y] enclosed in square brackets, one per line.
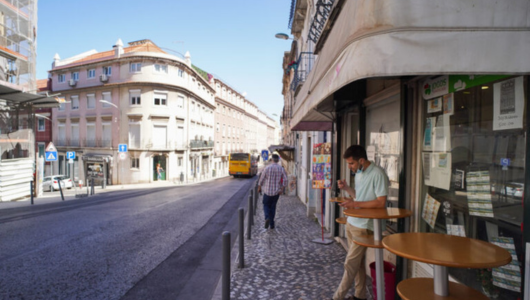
[51, 183]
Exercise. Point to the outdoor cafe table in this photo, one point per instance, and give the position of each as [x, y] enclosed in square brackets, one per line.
[443, 251]
[378, 215]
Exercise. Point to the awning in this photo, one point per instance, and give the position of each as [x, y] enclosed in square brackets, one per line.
[19, 97]
[391, 38]
[97, 158]
[285, 152]
[313, 126]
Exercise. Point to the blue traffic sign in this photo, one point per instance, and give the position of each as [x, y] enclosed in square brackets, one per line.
[70, 155]
[265, 154]
[51, 156]
[505, 162]
[122, 148]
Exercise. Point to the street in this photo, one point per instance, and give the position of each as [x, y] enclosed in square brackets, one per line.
[132, 244]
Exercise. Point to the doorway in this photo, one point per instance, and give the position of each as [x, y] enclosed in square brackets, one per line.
[159, 166]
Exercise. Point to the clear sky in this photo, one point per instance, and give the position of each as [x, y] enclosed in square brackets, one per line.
[233, 39]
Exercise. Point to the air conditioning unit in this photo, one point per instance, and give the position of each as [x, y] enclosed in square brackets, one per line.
[103, 78]
[72, 82]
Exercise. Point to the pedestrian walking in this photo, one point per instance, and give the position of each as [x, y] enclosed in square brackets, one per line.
[159, 171]
[371, 191]
[272, 182]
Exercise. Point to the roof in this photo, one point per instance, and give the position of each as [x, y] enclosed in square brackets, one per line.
[145, 46]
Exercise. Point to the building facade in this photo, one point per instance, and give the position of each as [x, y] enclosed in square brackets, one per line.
[155, 103]
[448, 126]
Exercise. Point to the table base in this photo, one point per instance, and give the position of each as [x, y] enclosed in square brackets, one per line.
[423, 289]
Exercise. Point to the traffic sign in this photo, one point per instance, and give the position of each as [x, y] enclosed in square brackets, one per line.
[70, 161]
[51, 156]
[122, 148]
[70, 155]
[505, 162]
[265, 154]
[51, 148]
[122, 155]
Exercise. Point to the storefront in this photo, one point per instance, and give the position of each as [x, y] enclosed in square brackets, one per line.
[97, 167]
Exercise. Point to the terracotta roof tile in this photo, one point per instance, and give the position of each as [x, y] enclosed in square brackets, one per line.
[42, 85]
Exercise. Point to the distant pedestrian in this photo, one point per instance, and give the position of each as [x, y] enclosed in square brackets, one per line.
[273, 179]
[159, 171]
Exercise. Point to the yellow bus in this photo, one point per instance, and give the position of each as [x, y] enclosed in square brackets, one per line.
[243, 164]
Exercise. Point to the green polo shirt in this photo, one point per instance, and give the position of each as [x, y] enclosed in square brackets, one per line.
[369, 184]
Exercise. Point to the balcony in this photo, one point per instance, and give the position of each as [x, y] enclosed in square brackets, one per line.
[302, 67]
[194, 144]
[96, 143]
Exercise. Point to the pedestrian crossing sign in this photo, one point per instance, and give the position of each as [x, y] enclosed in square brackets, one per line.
[51, 156]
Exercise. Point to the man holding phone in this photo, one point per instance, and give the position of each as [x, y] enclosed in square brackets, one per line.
[371, 191]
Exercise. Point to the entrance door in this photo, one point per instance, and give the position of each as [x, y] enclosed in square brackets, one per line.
[159, 168]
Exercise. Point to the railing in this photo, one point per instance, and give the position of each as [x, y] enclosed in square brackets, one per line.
[302, 67]
[201, 144]
[323, 9]
[61, 142]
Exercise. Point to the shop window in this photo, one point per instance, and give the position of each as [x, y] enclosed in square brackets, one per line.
[473, 159]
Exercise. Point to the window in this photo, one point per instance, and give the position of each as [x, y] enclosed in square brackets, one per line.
[62, 106]
[90, 101]
[61, 78]
[107, 99]
[106, 132]
[75, 76]
[192, 106]
[74, 135]
[135, 163]
[160, 132]
[180, 102]
[180, 161]
[217, 126]
[134, 135]
[135, 97]
[181, 73]
[91, 73]
[160, 99]
[42, 125]
[107, 70]
[91, 135]
[180, 136]
[75, 102]
[41, 149]
[61, 135]
[161, 68]
[135, 67]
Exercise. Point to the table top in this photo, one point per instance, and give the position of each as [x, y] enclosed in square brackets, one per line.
[339, 199]
[423, 289]
[367, 241]
[378, 213]
[447, 250]
[341, 220]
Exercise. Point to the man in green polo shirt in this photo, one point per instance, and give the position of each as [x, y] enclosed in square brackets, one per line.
[371, 190]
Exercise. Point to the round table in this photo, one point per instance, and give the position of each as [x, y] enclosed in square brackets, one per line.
[443, 251]
[378, 214]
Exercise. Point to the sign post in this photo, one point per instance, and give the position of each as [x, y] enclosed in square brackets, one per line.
[122, 153]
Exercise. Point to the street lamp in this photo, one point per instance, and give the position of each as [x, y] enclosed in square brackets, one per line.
[283, 36]
[117, 161]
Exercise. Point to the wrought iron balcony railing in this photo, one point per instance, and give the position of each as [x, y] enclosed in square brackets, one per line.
[194, 144]
[302, 67]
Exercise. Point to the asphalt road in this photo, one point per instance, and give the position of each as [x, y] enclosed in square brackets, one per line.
[135, 244]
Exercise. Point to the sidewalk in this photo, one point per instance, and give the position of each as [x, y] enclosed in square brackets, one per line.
[55, 197]
[284, 263]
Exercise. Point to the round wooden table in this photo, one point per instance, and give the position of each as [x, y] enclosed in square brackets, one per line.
[443, 251]
[378, 214]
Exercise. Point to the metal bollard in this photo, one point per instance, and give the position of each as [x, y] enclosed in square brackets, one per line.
[251, 209]
[226, 266]
[256, 197]
[31, 191]
[249, 221]
[92, 186]
[241, 238]
[60, 189]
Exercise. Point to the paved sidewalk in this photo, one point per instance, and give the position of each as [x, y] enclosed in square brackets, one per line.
[283, 262]
[55, 197]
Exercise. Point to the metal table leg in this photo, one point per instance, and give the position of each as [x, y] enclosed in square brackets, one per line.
[379, 267]
[441, 281]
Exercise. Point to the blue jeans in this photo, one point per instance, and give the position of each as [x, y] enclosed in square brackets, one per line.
[269, 208]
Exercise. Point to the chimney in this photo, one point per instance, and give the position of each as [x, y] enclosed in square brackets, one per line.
[118, 48]
[188, 58]
[56, 60]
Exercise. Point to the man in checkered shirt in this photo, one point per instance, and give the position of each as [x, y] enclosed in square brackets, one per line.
[272, 182]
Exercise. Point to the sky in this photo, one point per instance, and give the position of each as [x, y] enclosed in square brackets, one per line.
[233, 39]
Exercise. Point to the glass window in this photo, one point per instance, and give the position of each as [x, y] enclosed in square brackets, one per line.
[135, 163]
[91, 73]
[473, 153]
[107, 70]
[41, 125]
[181, 73]
[75, 102]
[160, 99]
[107, 99]
[75, 76]
[135, 67]
[135, 97]
[161, 68]
[61, 78]
[91, 101]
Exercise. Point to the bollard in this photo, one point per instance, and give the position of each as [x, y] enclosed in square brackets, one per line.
[226, 266]
[31, 191]
[249, 221]
[250, 209]
[256, 198]
[92, 186]
[60, 189]
[241, 238]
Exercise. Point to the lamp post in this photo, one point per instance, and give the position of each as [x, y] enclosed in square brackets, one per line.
[117, 161]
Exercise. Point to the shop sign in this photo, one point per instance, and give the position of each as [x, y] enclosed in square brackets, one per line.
[453, 83]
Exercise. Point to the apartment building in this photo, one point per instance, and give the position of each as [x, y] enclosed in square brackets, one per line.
[139, 95]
